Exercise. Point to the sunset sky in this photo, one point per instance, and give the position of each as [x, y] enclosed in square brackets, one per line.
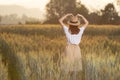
[90, 4]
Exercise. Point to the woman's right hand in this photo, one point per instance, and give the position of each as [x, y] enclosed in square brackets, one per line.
[85, 20]
[79, 15]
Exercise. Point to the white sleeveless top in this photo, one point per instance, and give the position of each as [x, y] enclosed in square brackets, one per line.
[73, 38]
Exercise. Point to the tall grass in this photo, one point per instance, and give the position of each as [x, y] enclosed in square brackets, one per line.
[37, 50]
[3, 70]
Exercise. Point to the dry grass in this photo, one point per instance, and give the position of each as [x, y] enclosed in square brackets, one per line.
[38, 47]
[3, 70]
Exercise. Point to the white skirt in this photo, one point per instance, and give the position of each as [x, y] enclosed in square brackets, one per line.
[71, 58]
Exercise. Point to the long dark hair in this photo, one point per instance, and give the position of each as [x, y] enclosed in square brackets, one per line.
[74, 29]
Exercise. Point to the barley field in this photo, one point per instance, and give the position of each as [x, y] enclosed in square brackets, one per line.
[32, 52]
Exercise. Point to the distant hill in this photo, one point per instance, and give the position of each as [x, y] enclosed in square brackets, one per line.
[20, 10]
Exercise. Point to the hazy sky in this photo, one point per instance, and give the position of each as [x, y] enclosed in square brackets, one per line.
[91, 4]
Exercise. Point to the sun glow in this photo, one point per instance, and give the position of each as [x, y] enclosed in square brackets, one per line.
[92, 5]
[95, 4]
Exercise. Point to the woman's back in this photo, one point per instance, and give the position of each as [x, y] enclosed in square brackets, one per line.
[73, 38]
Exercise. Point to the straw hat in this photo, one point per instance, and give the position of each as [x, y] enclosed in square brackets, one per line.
[74, 21]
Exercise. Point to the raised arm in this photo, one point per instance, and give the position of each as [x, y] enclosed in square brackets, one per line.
[85, 20]
[62, 18]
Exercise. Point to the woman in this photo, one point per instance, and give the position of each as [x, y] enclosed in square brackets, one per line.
[72, 56]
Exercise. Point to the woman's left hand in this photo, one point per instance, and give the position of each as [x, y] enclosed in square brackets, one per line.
[79, 15]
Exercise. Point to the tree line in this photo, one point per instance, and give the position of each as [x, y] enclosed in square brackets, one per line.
[14, 19]
[55, 9]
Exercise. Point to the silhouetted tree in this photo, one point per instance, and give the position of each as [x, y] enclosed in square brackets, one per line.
[57, 8]
[109, 14]
[94, 18]
[80, 8]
